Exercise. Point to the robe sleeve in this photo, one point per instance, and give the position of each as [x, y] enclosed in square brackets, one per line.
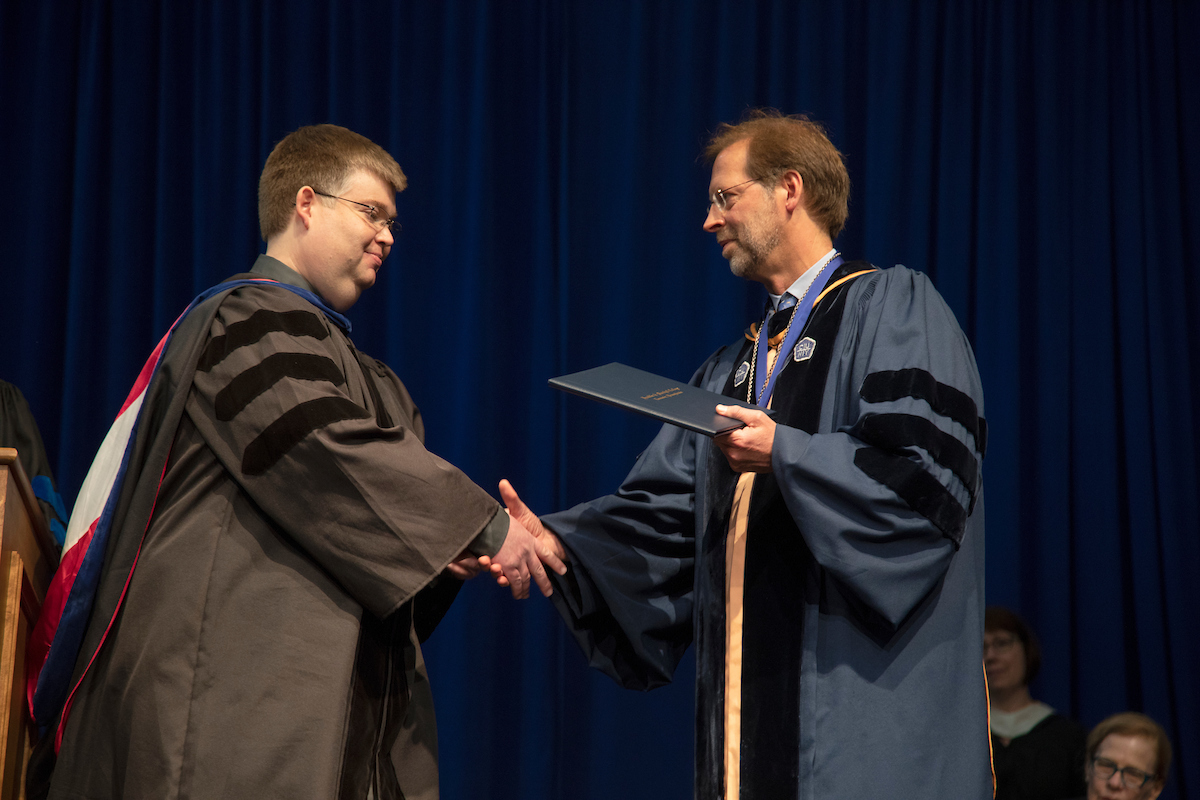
[628, 594]
[883, 500]
[328, 451]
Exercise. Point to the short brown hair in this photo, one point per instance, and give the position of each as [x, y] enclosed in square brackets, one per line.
[779, 144]
[320, 156]
[1131, 723]
[999, 618]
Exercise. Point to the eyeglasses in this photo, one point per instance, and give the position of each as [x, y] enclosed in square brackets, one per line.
[1131, 777]
[720, 198]
[378, 222]
[999, 644]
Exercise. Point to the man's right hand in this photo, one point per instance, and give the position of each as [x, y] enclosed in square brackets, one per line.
[547, 541]
[520, 559]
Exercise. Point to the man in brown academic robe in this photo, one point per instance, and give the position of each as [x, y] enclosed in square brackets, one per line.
[283, 540]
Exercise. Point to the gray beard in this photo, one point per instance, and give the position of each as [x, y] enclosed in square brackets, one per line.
[751, 251]
[741, 263]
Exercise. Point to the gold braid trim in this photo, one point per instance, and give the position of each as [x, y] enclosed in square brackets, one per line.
[838, 283]
[772, 342]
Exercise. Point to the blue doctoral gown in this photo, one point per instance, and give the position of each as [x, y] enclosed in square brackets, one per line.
[864, 593]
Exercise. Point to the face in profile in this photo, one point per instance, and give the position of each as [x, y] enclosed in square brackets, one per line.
[1123, 769]
[745, 221]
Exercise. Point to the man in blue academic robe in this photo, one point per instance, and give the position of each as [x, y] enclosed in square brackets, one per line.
[828, 562]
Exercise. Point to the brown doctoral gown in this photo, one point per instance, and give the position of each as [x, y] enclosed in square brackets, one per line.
[267, 644]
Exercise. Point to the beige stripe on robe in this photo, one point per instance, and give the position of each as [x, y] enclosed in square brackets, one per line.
[735, 567]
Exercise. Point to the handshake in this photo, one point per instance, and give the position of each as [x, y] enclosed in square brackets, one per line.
[527, 551]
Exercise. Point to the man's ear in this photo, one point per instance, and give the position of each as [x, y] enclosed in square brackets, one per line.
[793, 184]
[306, 198]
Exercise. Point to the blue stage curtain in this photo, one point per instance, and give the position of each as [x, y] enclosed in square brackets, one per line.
[1039, 160]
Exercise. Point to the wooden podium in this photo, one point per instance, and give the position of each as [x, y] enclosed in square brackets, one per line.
[28, 558]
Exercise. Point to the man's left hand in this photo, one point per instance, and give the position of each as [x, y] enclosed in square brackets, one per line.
[747, 449]
[467, 566]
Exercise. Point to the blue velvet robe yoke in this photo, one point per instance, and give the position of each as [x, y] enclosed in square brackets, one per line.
[889, 680]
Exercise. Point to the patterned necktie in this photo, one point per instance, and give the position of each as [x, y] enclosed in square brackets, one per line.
[778, 321]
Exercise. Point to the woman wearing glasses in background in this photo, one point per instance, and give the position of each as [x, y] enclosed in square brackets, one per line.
[1128, 756]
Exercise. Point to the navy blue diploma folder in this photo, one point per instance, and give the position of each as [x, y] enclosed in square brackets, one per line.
[676, 402]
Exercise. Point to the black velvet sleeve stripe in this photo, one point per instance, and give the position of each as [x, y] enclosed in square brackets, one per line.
[887, 385]
[892, 432]
[286, 432]
[242, 390]
[255, 327]
[917, 488]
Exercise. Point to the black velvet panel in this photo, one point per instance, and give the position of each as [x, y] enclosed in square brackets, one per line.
[801, 384]
[916, 487]
[894, 432]
[888, 385]
[244, 388]
[286, 432]
[258, 325]
[779, 321]
[772, 647]
[720, 481]
[776, 560]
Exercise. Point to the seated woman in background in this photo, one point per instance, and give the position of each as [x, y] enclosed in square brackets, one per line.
[1128, 756]
[1038, 754]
